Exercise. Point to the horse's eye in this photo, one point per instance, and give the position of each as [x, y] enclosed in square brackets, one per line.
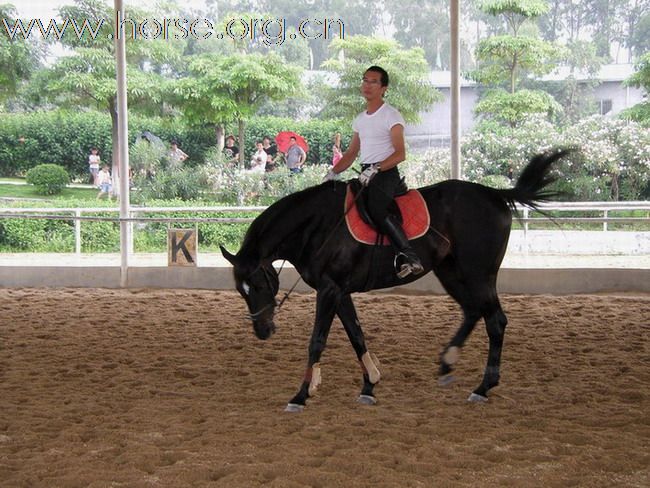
[246, 287]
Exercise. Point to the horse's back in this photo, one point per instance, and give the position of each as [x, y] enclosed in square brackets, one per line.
[467, 202]
[475, 219]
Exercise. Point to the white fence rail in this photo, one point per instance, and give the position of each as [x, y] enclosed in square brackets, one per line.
[78, 215]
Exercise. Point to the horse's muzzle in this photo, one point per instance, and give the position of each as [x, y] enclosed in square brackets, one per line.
[263, 329]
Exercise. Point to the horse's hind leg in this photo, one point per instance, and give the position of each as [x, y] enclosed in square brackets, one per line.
[466, 298]
[348, 316]
[451, 353]
[495, 322]
[478, 298]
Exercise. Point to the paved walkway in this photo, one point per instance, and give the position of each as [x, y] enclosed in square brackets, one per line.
[213, 259]
[71, 185]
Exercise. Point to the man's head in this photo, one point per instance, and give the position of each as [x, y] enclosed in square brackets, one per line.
[382, 73]
[259, 145]
[94, 150]
[230, 140]
[292, 140]
[374, 82]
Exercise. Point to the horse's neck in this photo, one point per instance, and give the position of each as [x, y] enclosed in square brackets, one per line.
[280, 223]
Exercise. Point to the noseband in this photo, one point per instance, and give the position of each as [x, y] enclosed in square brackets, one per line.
[269, 282]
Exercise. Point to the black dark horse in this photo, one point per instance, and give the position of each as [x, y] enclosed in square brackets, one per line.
[470, 226]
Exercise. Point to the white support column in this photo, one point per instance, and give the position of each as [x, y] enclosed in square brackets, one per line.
[454, 15]
[123, 140]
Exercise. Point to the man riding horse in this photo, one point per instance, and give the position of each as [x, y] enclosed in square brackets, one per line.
[379, 137]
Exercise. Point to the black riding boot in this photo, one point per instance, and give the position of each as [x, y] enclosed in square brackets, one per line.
[406, 261]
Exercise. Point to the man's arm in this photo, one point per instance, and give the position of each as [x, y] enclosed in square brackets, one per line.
[399, 153]
[349, 155]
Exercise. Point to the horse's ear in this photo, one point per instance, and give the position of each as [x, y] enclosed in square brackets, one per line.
[230, 257]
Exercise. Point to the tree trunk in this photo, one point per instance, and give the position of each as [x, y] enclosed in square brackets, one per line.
[220, 134]
[241, 142]
[615, 190]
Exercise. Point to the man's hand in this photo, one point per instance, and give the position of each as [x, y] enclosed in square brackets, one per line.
[368, 174]
[331, 175]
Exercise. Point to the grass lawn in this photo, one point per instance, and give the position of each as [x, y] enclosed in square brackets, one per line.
[28, 191]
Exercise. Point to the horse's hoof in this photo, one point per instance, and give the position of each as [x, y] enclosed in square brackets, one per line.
[294, 408]
[446, 380]
[475, 398]
[367, 400]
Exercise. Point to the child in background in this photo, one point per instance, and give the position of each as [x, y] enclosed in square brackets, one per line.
[104, 183]
[93, 164]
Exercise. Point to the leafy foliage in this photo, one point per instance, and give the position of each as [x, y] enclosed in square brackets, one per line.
[409, 89]
[505, 59]
[18, 57]
[640, 79]
[519, 10]
[49, 179]
[222, 89]
[513, 108]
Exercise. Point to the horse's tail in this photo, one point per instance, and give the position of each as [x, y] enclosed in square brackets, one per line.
[529, 190]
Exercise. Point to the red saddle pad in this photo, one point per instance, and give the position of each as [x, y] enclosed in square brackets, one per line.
[414, 213]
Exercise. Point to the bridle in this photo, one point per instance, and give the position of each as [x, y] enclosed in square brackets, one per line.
[278, 304]
[269, 281]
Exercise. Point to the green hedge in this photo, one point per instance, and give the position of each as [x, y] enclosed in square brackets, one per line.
[66, 137]
[36, 235]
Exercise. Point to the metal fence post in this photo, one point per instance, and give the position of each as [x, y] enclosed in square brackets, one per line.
[77, 232]
[526, 214]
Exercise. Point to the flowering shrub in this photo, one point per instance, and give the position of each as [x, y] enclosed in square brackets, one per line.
[233, 185]
[426, 169]
[611, 158]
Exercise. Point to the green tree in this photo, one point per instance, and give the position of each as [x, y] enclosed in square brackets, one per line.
[87, 78]
[606, 19]
[575, 93]
[639, 40]
[232, 88]
[410, 91]
[505, 59]
[357, 17]
[18, 57]
[424, 24]
[640, 79]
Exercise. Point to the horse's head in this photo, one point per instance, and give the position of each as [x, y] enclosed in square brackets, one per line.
[256, 281]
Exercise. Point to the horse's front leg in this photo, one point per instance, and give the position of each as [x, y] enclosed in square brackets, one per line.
[327, 300]
[348, 316]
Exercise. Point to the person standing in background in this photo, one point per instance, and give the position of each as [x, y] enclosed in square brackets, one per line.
[93, 164]
[295, 157]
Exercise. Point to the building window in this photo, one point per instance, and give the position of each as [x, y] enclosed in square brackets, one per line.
[605, 106]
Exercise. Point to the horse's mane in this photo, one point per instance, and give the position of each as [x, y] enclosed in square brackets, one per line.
[288, 214]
